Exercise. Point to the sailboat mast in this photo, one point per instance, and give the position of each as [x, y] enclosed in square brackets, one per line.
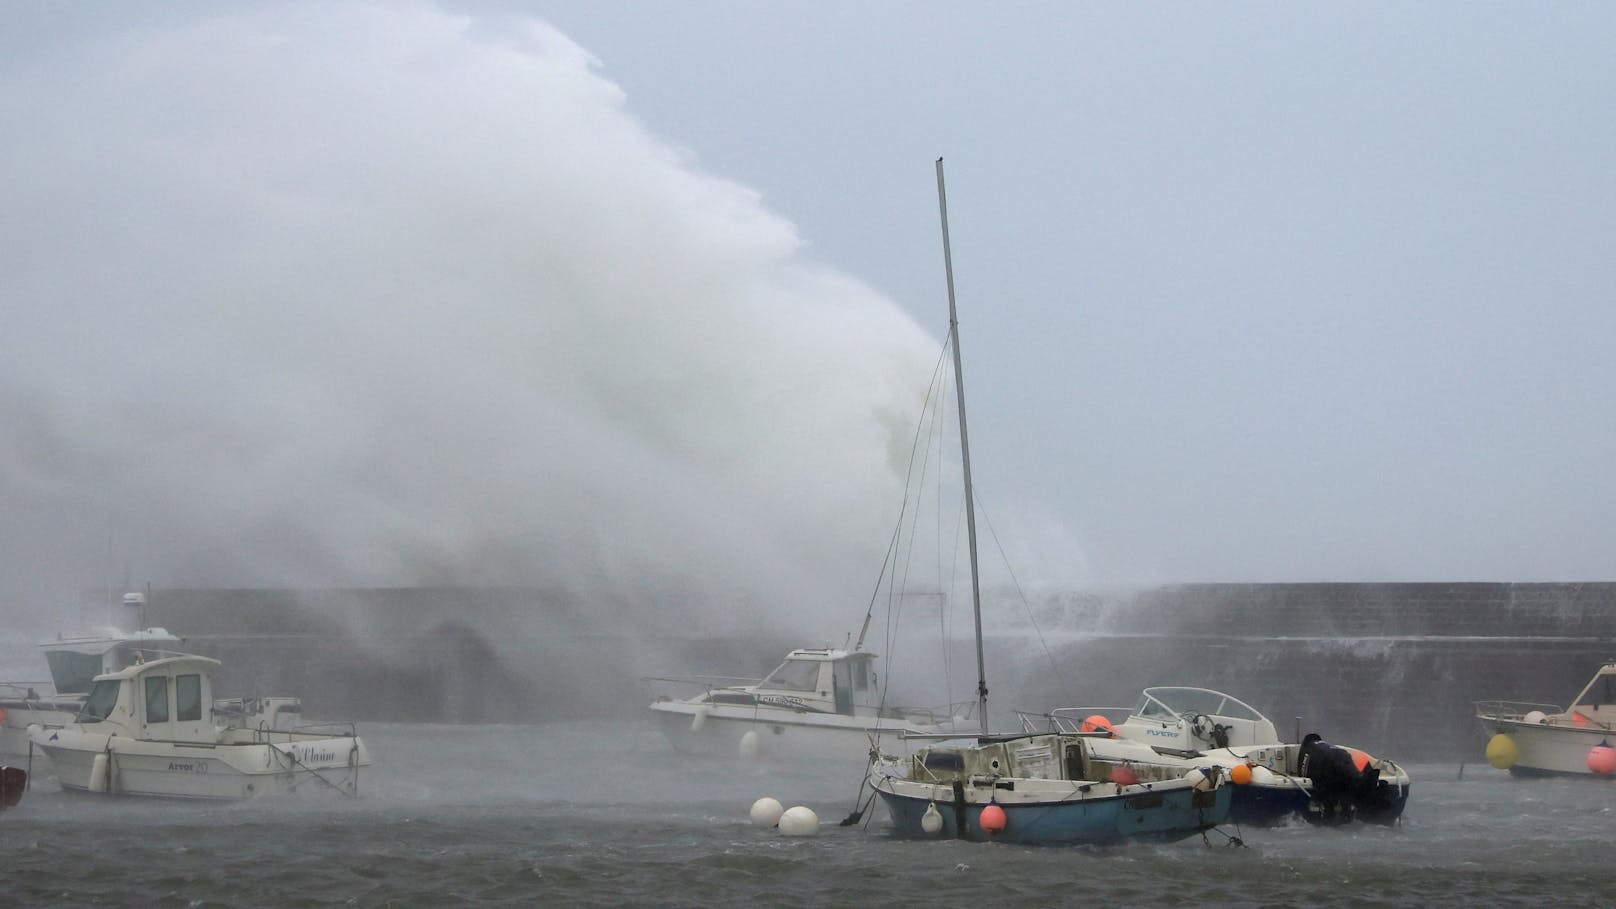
[965, 456]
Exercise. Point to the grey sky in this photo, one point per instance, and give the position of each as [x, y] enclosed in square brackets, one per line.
[1249, 291]
[333, 294]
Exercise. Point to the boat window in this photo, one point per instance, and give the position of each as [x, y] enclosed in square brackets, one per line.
[861, 674]
[73, 673]
[98, 706]
[1149, 706]
[797, 675]
[188, 697]
[157, 699]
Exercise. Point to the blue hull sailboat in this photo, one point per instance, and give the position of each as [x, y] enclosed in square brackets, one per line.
[1038, 787]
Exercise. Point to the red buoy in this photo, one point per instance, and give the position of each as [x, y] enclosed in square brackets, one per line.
[1097, 723]
[1602, 759]
[993, 818]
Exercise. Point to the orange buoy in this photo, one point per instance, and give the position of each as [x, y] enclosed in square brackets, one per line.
[993, 818]
[1097, 723]
[1360, 759]
[1123, 775]
[1241, 774]
[1602, 759]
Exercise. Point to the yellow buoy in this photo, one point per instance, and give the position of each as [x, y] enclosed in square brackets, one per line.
[1501, 751]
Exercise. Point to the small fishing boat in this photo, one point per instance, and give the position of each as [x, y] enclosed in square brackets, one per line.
[153, 729]
[1035, 788]
[1530, 739]
[819, 704]
[76, 660]
[1185, 727]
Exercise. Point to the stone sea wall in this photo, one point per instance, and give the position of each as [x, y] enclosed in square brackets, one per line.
[1393, 668]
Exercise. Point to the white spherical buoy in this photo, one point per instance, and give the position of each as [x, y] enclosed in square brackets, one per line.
[1535, 717]
[766, 812]
[1262, 776]
[799, 821]
[1204, 779]
[932, 821]
[750, 743]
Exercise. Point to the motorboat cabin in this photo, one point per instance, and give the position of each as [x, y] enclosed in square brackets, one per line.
[819, 702]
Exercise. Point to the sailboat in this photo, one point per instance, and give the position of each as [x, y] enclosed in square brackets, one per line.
[1042, 787]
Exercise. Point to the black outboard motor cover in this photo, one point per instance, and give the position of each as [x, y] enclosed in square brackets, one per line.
[1340, 789]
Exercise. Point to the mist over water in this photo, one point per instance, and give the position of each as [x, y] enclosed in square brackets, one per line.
[342, 295]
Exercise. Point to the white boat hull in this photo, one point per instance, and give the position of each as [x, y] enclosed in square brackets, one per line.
[14, 743]
[1544, 750]
[278, 763]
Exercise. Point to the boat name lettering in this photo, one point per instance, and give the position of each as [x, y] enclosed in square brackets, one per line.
[778, 700]
[1167, 732]
[189, 766]
[309, 754]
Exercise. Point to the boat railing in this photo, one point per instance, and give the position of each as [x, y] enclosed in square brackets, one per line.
[23, 691]
[1512, 710]
[343, 728]
[933, 716]
[1068, 719]
[708, 682]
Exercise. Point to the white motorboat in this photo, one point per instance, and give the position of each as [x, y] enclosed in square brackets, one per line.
[1530, 739]
[1198, 727]
[153, 729]
[75, 661]
[1048, 787]
[818, 704]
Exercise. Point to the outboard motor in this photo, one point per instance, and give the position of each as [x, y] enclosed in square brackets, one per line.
[1340, 789]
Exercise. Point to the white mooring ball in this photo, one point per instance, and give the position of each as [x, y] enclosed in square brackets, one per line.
[799, 821]
[750, 743]
[932, 821]
[1535, 717]
[766, 812]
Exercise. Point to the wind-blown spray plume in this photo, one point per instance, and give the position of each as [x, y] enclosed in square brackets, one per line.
[338, 295]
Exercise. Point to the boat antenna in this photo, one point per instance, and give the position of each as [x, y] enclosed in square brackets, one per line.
[965, 456]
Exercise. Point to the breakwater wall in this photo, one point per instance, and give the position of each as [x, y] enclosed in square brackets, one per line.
[1392, 668]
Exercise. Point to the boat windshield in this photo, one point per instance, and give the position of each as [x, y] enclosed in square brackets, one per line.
[796, 675]
[98, 706]
[1167, 703]
[1602, 690]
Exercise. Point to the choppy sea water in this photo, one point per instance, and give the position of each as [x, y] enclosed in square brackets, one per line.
[606, 814]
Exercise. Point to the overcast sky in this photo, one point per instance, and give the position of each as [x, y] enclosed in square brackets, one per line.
[642, 297]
